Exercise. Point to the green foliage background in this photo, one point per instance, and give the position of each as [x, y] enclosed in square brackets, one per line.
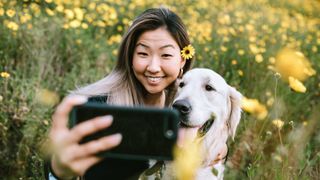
[58, 45]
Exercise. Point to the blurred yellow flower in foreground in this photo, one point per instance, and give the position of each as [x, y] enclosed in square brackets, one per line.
[293, 63]
[4, 75]
[278, 123]
[187, 160]
[296, 85]
[253, 106]
[47, 97]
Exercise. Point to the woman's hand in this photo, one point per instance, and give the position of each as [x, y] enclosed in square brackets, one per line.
[70, 158]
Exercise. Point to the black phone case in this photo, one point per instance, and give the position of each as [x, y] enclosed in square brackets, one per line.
[147, 133]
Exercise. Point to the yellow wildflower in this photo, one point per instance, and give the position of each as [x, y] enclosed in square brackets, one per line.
[79, 13]
[114, 39]
[69, 13]
[259, 58]
[241, 52]
[253, 106]
[47, 97]
[24, 18]
[187, 160]
[4, 75]
[75, 23]
[10, 12]
[314, 49]
[84, 25]
[66, 26]
[187, 52]
[305, 123]
[1, 98]
[254, 49]
[49, 12]
[240, 72]
[13, 26]
[1, 12]
[296, 85]
[234, 62]
[272, 60]
[92, 5]
[60, 8]
[223, 48]
[293, 63]
[278, 123]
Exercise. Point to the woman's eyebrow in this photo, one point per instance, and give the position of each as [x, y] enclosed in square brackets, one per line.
[162, 47]
[143, 45]
[166, 46]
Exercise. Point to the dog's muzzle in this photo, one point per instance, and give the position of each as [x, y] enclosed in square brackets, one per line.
[184, 108]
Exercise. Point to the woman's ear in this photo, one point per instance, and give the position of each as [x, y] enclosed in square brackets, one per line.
[235, 112]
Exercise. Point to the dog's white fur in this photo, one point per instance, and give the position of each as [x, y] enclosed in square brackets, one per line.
[223, 102]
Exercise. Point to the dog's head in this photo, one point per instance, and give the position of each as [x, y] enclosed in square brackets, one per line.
[207, 103]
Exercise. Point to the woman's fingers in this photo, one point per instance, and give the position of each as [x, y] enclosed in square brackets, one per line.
[95, 146]
[61, 115]
[89, 127]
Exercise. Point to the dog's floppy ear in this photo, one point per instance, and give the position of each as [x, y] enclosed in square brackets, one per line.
[235, 112]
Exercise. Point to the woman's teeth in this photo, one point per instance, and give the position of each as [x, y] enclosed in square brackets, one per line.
[154, 79]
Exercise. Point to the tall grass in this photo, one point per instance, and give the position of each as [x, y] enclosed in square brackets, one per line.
[50, 47]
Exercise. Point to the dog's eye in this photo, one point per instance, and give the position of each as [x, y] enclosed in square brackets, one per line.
[181, 84]
[209, 88]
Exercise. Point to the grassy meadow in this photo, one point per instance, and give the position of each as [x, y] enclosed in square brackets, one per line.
[268, 49]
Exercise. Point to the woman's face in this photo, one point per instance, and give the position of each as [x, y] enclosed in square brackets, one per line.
[157, 60]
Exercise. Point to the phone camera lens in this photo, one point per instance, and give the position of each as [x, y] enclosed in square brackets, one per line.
[169, 133]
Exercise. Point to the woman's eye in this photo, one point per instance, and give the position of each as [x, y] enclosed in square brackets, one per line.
[142, 54]
[166, 55]
[181, 84]
[209, 88]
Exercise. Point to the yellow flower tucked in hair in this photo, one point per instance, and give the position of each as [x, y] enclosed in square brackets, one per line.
[187, 52]
[296, 85]
[5, 75]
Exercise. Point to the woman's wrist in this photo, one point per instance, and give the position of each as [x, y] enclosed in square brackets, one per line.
[55, 170]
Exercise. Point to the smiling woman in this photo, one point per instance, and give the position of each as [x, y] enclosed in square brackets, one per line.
[149, 62]
[157, 61]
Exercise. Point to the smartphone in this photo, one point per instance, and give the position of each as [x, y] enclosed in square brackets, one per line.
[147, 133]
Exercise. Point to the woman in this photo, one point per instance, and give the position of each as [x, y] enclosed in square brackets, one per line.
[149, 62]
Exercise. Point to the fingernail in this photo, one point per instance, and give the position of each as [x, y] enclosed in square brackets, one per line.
[117, 137]
[79, 98]
[82, 99]
[107, 118]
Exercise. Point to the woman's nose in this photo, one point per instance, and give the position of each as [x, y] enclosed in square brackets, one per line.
[154, 64]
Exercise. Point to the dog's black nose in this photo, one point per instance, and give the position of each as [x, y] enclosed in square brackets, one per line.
[183, 106]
